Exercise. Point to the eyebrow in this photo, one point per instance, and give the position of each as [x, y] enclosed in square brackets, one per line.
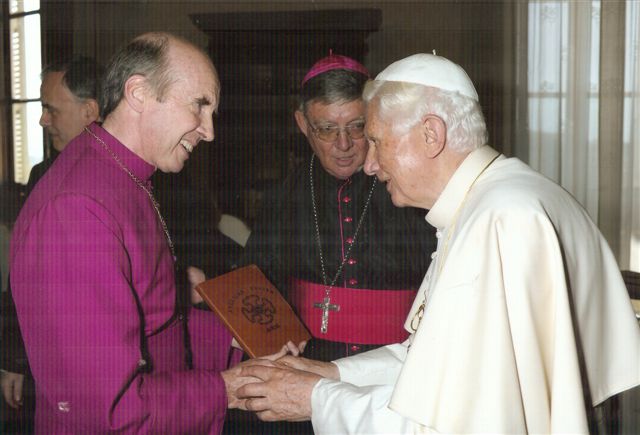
[203, 101]
[333, 124]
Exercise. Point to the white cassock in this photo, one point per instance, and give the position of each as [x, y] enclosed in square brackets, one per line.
[527, 319]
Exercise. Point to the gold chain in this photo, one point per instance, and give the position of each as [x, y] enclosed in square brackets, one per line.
[139, 182]
[317, 228]
[328, 286]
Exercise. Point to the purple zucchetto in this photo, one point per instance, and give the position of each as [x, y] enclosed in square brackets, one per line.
[334, 61]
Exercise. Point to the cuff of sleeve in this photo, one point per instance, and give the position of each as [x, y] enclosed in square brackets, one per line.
[340, 407]
[320, 405]
[380, 366]
[210, 341]
[15, 366]
[188, 402]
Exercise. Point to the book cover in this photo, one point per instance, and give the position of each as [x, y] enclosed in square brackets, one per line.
[253, 310]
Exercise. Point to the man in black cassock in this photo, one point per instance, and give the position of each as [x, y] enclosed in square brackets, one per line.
[329, 238]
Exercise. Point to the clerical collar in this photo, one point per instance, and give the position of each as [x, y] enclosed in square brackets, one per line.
[328, 180]
[133, 162]
[444, 209]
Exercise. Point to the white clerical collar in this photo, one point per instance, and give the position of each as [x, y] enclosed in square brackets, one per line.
[444, 209]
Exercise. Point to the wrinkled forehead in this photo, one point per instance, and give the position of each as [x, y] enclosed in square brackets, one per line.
[377, 124]
[53, 89]
[372, 111]
[185, 53]
[372, 124]
[194, 69]
[51, 80]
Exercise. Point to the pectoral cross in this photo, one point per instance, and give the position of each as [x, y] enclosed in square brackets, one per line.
[326, 306]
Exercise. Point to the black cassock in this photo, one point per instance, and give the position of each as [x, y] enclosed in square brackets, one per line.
[391, 252]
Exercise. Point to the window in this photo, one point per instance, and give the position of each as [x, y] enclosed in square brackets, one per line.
[568, 105]
[563, 66]
[631, 141]
[25, 67]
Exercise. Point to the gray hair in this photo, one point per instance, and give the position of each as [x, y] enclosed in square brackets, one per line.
[80, 74]
[146, 55]
[334, 86]
[405, 104]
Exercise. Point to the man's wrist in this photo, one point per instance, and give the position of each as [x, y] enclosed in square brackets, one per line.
[332, 371]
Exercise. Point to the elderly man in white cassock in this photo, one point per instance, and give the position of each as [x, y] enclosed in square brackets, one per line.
[522, 323]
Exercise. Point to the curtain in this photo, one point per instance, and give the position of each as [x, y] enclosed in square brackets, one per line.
[570, 95]
[563, 84]
[630, 213]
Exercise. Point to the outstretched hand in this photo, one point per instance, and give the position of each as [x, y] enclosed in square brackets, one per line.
[234, 378]
[281, 393]
[324, 369]
[286, 349]
[289, 349]
[195, 277]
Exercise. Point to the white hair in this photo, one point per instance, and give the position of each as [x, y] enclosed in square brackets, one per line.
[404, 105]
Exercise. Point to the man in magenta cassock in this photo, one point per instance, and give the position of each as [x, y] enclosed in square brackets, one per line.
[92, 269]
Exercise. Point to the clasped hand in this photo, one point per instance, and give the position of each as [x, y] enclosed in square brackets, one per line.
[276, 387]
[282, 388]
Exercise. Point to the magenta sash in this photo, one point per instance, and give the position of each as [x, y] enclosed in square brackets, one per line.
[365, 316]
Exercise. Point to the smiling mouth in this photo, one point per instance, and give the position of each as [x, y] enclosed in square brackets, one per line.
[187, 146]
[344, 160]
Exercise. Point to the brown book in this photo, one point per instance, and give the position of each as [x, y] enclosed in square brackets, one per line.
[254, 311]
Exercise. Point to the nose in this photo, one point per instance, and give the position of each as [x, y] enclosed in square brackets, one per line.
[206, 128]
[343, 142]
[45, 119]
[371, 166]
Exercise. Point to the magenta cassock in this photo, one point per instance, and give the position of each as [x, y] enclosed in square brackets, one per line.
[90, 267]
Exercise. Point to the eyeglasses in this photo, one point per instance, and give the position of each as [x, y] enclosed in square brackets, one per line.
[330, 133]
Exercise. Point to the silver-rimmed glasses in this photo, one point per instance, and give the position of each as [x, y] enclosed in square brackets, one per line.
[330, 133]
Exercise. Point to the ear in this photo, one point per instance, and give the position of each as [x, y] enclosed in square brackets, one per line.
[135, 92]
[301, 120]
[435, 135]
[91, 111]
